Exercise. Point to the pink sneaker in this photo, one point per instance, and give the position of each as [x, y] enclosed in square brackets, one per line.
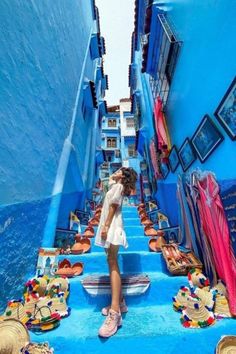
[123, 308]
[111, 324]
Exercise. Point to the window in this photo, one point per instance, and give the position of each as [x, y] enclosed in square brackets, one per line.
[111, 142]
[131, 151]
[111, 122]
[130, 122]
[165, 51]
[117, 153]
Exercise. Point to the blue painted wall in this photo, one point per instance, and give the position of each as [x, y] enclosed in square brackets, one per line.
[205, 68]
[43, 47]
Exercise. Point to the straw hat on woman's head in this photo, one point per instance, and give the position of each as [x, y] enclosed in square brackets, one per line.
[13, 336]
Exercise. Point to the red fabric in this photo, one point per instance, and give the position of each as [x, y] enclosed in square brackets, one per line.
[160, 124]
[216, 229]
[153, 154]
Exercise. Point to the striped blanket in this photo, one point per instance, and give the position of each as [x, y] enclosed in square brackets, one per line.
[131, 284]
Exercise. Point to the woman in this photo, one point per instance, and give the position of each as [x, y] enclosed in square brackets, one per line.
[111, 235]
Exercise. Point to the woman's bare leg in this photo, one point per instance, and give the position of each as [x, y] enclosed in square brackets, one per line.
[115, 279]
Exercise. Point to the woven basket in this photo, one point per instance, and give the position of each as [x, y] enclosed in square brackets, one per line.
[227, 345]
[179, 263]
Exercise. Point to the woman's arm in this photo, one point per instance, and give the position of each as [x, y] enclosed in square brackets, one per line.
[111, 213]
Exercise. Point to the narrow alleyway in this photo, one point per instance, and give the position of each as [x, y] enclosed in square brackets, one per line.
[150, 326]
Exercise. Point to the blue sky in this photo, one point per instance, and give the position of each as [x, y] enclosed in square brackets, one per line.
[117, 25]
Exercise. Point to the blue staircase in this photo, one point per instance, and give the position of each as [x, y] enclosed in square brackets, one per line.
[150, 326]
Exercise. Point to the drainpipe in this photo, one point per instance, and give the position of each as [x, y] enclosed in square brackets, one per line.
[49, 230]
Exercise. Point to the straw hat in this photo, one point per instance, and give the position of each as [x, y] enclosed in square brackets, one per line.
[58, 304]
[207, 298]
[180, 300]
[57, 285]
[36, 285]
[220, 288]
[197, 278]
[221, 308]
[29, 306]
[13, 336]
[196, 314]
[15, 309]
[37, 348]
[227, 345]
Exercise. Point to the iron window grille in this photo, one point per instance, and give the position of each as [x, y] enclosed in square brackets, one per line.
[168, 47]
[130, 123]
[132, 151]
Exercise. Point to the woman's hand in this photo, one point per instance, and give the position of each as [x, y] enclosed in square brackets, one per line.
[104, 232]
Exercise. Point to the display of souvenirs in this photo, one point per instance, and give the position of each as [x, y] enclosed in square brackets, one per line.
[83, 216]
[151, 205]
[64, 239]
[155, 244]
[90, 205]
[65, 268]
[163, 221]
[47, 261]
[177, 262]
[74, 222]
[171, 234]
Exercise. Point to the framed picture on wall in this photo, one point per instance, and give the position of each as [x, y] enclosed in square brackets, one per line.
[206, 138]
[173, 159]
[226, 111]
[164, 169]
[186, 154]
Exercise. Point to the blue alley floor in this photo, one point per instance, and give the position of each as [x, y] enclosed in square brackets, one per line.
[150, 326]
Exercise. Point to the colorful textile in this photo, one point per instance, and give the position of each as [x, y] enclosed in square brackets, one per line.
[216, 229]
[160, 125]
[203, 242]
[186, 227]
[131, 284]
[229, 202]
[154, 159]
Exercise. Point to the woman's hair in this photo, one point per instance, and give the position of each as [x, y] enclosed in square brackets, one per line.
[129, 180]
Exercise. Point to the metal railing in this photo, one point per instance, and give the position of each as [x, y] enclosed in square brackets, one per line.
[167, 46]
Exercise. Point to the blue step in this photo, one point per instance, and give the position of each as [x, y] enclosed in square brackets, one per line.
[130, 214]
[161, 284]
[134, 230]
[132, 221]
[135, 262]
[153, 329]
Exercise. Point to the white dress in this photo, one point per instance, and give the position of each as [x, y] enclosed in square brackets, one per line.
[116, 234]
